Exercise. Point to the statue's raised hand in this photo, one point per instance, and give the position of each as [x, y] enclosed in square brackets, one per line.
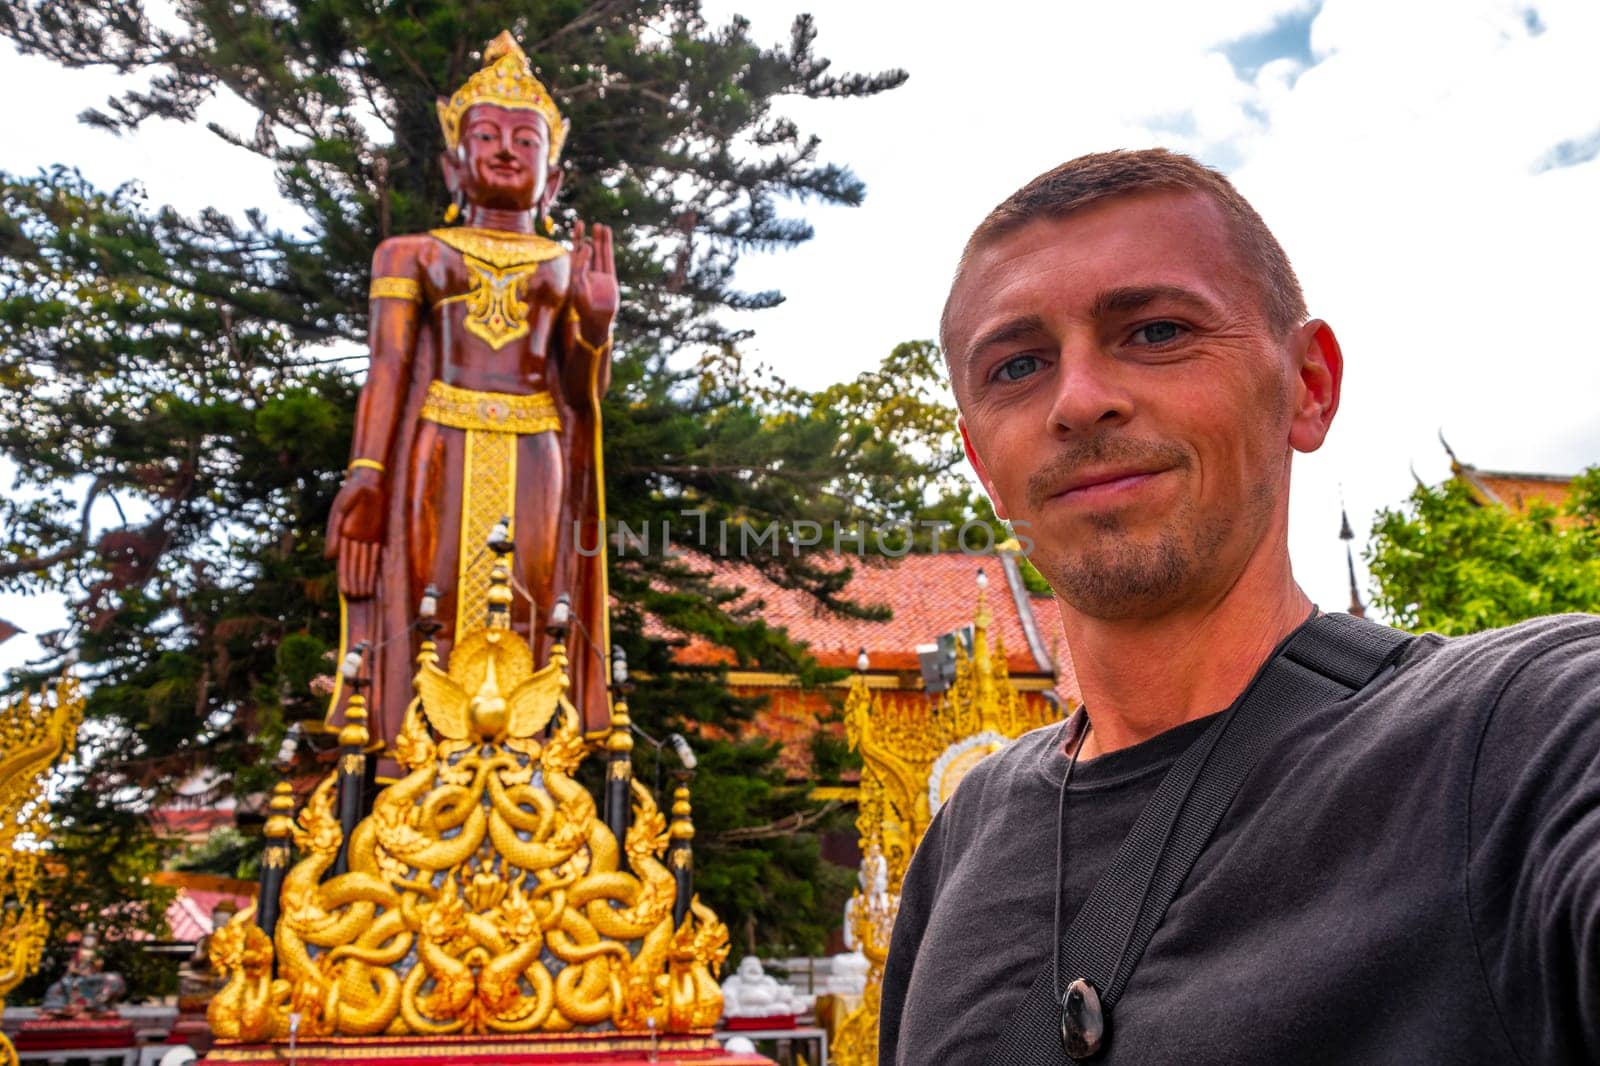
[355, 532]
[594, 281]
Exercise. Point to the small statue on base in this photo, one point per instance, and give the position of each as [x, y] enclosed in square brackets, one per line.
[750, 995]
[85, 990]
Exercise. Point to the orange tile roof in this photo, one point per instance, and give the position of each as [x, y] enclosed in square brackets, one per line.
[927, 595]
[1517, 491]
[189, 915]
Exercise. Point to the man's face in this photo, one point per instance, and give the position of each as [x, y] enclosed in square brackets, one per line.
[503, 157]
[1125, 401]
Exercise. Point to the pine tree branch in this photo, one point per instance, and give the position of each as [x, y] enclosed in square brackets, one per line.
[600, 12]
[74, 549]
[795, 823]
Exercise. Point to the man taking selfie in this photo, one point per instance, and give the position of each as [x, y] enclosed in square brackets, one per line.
[1271, 836]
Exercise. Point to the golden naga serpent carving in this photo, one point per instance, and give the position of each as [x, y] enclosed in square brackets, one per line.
[484, 893]
[913, 755]
[35, 730]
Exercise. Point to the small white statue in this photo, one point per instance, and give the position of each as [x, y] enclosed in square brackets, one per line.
[847, 974]
[750, 993]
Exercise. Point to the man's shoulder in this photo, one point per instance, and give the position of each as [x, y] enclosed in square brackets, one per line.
[994, 782]
[1021, 757]
[1544, 669]
[1496, 657]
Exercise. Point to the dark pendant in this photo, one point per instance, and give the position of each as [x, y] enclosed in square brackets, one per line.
[1083, 1024]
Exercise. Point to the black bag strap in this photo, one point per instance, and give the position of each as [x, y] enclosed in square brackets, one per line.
[1328, 659]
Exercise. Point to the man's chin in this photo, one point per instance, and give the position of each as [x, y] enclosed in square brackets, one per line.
[1123, 579]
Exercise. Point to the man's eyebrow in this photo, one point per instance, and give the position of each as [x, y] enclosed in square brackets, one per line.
[1011, 329]
[1138, 297]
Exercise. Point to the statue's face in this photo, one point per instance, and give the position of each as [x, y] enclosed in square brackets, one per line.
[503, 158]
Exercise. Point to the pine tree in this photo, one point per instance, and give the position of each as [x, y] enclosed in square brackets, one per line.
[176, 397]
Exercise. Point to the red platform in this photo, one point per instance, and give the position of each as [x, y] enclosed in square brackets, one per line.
[770, 1021]
[544, 1049]
[74, 1034]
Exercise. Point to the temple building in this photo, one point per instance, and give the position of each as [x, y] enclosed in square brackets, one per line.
[928, 596]
[1515, 491]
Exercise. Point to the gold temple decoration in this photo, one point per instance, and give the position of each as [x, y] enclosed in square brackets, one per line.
[490, 412]
[499, 263]
[488, 495]
[500, 249]
[506, 80]
[395, 289]
[484, 893]
[914, 753]
[35, 730]
[492, 421]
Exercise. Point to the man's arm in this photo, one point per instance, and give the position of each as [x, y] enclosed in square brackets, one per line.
[1533, 878]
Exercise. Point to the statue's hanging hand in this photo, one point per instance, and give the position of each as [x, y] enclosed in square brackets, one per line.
[355, 532]
[595, 296]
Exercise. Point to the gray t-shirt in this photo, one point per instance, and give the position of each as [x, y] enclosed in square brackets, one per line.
[1411, 878]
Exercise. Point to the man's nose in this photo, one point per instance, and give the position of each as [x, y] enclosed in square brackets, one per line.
[1090, 391]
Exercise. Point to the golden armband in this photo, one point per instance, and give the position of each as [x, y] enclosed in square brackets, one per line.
[396, 288]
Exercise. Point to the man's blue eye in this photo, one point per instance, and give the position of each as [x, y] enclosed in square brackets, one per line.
[1018, 368]
[1157, 332]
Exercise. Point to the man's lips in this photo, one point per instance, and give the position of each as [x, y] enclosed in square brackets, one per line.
[1103, 485]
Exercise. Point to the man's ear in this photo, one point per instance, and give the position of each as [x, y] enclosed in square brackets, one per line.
[982, 472]
[1318, 375]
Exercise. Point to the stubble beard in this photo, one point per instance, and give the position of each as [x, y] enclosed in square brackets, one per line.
[1112, 575]
[1116, 576]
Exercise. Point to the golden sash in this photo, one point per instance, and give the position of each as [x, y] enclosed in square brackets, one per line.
[493, 422]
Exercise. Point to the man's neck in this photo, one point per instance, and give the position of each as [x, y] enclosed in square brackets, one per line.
[508, 220]
[1140, 677]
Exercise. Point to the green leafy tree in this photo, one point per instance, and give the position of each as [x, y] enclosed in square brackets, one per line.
[176, 393]
[1447, 564]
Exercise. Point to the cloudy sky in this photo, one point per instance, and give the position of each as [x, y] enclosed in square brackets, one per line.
[1431, 166]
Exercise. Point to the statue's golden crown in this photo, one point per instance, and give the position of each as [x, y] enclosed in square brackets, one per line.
[506, 80]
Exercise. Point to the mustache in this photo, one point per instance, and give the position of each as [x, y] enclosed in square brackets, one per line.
[1065, 464]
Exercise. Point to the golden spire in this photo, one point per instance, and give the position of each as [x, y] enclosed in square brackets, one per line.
[985, 698]
[506, 80]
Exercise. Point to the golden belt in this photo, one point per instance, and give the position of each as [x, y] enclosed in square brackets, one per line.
[493, 412]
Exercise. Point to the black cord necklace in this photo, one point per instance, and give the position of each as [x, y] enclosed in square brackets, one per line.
[1082, 1023]
[1061, 833]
